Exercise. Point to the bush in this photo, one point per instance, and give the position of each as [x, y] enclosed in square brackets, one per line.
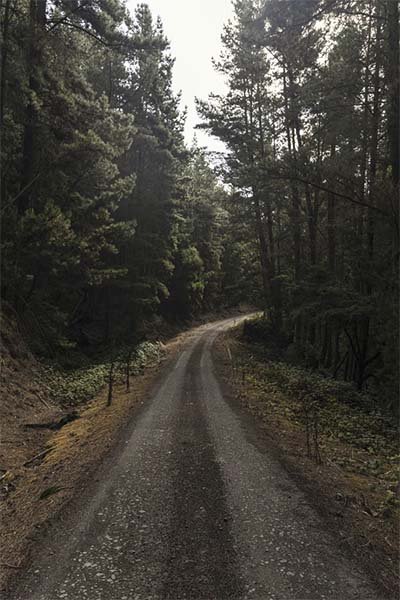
[260, 330]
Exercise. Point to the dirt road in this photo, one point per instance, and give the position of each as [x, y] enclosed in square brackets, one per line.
[193, 507]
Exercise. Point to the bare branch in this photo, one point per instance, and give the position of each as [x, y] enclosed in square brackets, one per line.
[335, 192]
[87, 32]
[28, 185]
[65, 17]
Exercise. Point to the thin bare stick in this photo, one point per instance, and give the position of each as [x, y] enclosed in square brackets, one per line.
[40, 455]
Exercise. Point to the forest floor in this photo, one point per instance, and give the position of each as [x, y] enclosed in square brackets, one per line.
[354, 487]
[190, 503]
[42, 469]
[40, 494]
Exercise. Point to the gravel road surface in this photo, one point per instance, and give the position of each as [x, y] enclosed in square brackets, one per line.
[194, 507]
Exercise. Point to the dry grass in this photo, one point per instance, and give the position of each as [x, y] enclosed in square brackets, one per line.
[48, 484]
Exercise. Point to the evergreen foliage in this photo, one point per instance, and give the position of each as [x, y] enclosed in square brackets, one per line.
[107, 218]
[110, 221]
[310, 120]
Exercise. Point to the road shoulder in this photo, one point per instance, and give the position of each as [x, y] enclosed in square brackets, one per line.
[323, 485]
[58, 482]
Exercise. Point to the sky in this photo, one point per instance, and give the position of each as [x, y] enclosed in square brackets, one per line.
[194, 29]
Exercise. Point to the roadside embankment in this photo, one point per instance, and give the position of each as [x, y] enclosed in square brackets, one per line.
[56, 428]
[346, 458]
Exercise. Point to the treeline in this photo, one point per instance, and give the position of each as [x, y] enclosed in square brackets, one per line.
[311, 121]
[108, 220]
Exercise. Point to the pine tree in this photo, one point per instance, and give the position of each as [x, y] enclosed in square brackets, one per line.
[305, 120]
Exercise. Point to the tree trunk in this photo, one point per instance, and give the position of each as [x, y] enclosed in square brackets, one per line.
[364, 139]
[364, 329]
[295, 208]
[312, 225]
[332, 227]
[392, 77]
[324, 348]
[263, 245]
[4, 52]
[374, 148]
[37, 21]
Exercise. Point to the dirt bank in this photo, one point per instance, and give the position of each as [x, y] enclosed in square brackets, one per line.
[38, 489]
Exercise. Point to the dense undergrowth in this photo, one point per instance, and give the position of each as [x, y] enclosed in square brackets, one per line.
[343, 427]
[339, 444]
[70, 385]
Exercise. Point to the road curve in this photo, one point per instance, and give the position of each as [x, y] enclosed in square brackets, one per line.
[193, 509]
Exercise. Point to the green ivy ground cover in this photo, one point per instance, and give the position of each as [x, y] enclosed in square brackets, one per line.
[71, 387]
[344, 414]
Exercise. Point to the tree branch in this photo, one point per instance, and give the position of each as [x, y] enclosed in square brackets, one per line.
[28, 185]
[336, 193]
[65, 17]
[352, 345]
[87, 32]
[370, 360]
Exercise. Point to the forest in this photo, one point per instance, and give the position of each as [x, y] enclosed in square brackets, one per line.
[111, 223]
[199, 348]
